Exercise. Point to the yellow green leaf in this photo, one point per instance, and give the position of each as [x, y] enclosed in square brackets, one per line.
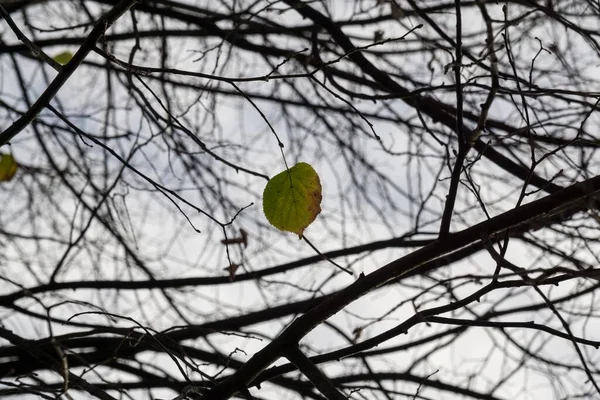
[63, 57]
[292, 199]
[8, 167]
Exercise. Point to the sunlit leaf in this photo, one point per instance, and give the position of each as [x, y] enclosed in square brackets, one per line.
[8, 167]
[63, 57]
[292, 199]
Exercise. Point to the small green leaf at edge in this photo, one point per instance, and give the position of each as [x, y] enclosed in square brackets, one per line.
[63, 58]
[8, 167]
[292, 199]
